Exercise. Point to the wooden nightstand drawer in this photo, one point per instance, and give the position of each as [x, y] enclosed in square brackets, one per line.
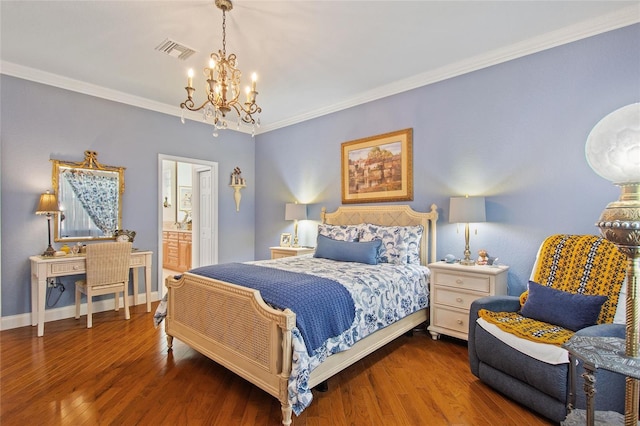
[278, 252]
[457, 299]
[467, 282]
[451, 319]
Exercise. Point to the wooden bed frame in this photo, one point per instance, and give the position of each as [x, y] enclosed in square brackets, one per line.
[233, 326]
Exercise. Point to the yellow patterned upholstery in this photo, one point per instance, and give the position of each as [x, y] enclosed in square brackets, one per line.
[584, 264]
[527, 328]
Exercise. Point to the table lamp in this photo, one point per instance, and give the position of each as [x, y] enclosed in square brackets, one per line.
[48, 206]
[467, 210]
[613, 152]
[295, 212]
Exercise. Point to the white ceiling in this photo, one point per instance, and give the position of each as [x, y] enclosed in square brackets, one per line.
[312, 57]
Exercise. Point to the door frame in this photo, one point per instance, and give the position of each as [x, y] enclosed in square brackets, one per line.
[195, 229]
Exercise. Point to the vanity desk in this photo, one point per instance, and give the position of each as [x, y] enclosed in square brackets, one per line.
[43, 268]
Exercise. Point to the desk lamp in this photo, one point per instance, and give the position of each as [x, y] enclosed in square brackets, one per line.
[295, 212]
[466, 210]
[48, 205]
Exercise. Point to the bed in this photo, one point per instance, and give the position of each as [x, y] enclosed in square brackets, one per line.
[232, 325]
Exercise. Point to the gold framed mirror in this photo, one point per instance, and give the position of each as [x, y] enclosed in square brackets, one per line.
[90, 199]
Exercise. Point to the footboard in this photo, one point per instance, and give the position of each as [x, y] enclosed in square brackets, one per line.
[234, 327]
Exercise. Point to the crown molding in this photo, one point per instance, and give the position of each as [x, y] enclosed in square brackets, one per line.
[55, 80]
[622, 18]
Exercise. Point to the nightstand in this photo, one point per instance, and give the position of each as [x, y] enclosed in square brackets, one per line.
[452, 289]
[278, 252]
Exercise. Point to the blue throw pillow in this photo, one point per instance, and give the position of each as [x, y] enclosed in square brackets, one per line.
[347, 251]
[569, 310]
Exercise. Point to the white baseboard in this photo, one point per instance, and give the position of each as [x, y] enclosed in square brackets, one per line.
[23, 320]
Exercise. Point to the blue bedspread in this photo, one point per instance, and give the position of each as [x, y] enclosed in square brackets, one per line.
[323, 307]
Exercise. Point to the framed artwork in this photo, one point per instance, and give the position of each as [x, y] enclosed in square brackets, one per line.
[285, 240]
[378, 168]
[184, 196]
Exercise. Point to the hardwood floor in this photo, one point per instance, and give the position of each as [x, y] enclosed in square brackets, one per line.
[120, 373]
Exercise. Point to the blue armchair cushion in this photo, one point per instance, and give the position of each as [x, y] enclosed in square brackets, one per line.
[347, 251]
[568, 310]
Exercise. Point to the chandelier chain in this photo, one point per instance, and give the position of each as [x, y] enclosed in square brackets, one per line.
[224, 33]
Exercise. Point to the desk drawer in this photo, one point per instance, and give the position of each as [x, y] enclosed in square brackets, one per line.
[137, 261]
[67, 268]
[468, 282]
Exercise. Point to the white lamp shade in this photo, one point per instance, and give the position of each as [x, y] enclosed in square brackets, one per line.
[613, 146]
[467, 210]
[295, 211]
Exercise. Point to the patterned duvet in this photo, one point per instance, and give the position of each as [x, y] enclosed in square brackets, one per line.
[382, 294]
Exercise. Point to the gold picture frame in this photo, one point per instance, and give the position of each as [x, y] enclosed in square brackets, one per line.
[378, 168]
[285, 240]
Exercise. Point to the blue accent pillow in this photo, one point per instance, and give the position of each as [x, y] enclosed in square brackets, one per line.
[569, 310]
[347, 251]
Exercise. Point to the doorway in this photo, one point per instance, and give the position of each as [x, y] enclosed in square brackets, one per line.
[187, 215]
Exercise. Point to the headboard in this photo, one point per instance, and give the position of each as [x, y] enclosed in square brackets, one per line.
[392, 215]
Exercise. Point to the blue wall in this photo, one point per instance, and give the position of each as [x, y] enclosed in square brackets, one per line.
[41, 122]
[514, 132]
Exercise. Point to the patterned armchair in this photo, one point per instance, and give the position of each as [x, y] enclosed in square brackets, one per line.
[515, 343]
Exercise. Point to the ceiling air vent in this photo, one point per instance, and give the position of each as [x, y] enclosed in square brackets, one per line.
[175, 49]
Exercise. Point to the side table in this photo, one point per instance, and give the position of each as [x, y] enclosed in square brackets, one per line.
[278, 252]
[607, 353]
[453, 288]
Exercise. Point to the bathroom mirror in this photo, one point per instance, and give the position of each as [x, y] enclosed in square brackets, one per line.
[90, 199]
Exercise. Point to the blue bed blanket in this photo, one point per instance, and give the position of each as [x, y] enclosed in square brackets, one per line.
[323, 307]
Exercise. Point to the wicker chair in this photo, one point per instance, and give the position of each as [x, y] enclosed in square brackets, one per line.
[107, 272]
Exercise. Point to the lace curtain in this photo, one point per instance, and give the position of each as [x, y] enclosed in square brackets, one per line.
[98, 195]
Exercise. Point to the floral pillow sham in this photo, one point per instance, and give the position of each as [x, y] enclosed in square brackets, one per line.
[400, 244]
[340, 232]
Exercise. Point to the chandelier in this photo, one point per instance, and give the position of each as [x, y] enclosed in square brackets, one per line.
[223, 87]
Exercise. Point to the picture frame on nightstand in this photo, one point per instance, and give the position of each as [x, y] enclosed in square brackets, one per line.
[285, 240]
